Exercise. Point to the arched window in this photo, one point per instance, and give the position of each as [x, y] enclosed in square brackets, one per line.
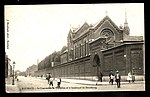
[108, 34]
[75, 49]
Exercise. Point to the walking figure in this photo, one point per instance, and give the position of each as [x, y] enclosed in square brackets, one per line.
[129, 78]
[118, 78]
[111, 77]
[58, 82]
[100, 76]
[48, 76]
[133, 78]
[51, 82]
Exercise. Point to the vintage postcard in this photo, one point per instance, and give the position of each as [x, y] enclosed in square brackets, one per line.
[74, 47]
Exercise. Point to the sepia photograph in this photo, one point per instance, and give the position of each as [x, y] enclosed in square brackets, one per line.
[74, 48]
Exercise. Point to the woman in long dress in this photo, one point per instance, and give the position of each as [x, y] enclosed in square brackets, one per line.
[129, 78]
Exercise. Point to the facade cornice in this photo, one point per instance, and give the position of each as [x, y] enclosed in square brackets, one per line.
[123, 44]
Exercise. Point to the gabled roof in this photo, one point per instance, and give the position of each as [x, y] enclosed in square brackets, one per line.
[70, 33]
[74, 29]
[84, 27]
[79, 28]
[105, 19]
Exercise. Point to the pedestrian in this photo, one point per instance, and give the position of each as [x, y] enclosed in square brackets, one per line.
[100, 76]
[51, 82]
[129, 77]
[133, 78]
[58, 82]
[48, 76]
[111, 77]
[118, 79]
[15, 76]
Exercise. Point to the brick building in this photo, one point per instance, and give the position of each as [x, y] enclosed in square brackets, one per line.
[91, 49]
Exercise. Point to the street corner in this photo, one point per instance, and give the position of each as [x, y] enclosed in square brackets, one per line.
[12, 89]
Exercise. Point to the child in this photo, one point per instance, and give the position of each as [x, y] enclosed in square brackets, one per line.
[111, 77]
[58, 82]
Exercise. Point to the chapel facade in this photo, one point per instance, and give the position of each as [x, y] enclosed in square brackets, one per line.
[102, 47]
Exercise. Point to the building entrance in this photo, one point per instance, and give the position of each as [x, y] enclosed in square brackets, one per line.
[96, 63]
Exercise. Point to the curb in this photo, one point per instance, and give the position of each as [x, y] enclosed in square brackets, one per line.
[94, 82]
[106, 83]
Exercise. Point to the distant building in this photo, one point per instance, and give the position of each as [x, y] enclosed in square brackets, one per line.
[91, 49]
[17, 72]
[22, 73]
[30, 71]
[8, 67]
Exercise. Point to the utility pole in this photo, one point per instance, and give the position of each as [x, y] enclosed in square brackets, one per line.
[13, 80]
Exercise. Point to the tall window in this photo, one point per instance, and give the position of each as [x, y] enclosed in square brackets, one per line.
[80, 50]
[85, 48]
[72, 54]
[75, 52]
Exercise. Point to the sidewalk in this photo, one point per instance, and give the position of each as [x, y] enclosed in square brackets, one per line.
[92, 82]
[9, 88]
[89, 82]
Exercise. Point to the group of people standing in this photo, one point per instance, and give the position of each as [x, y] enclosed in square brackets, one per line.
[130, 77]
[116, 77]
[50, 80]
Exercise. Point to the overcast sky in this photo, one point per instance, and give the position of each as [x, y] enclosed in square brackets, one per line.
[35, 31]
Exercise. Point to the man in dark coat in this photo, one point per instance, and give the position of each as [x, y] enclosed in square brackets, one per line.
[118, 78]
[48, 76]
[100, 76]
[133, 77]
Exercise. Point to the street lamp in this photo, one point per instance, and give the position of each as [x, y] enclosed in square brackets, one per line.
[13, 83]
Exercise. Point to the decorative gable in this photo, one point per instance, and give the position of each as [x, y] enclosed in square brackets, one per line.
[106, 20]
[106, 27]
[83, 28]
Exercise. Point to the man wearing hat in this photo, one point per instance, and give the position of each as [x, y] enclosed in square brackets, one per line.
[118, 78]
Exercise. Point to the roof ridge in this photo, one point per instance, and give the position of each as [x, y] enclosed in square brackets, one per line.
[101, 21]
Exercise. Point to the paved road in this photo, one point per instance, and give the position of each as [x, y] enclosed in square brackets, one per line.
[31, 84]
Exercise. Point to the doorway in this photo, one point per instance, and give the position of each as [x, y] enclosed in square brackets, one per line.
[96, 63]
